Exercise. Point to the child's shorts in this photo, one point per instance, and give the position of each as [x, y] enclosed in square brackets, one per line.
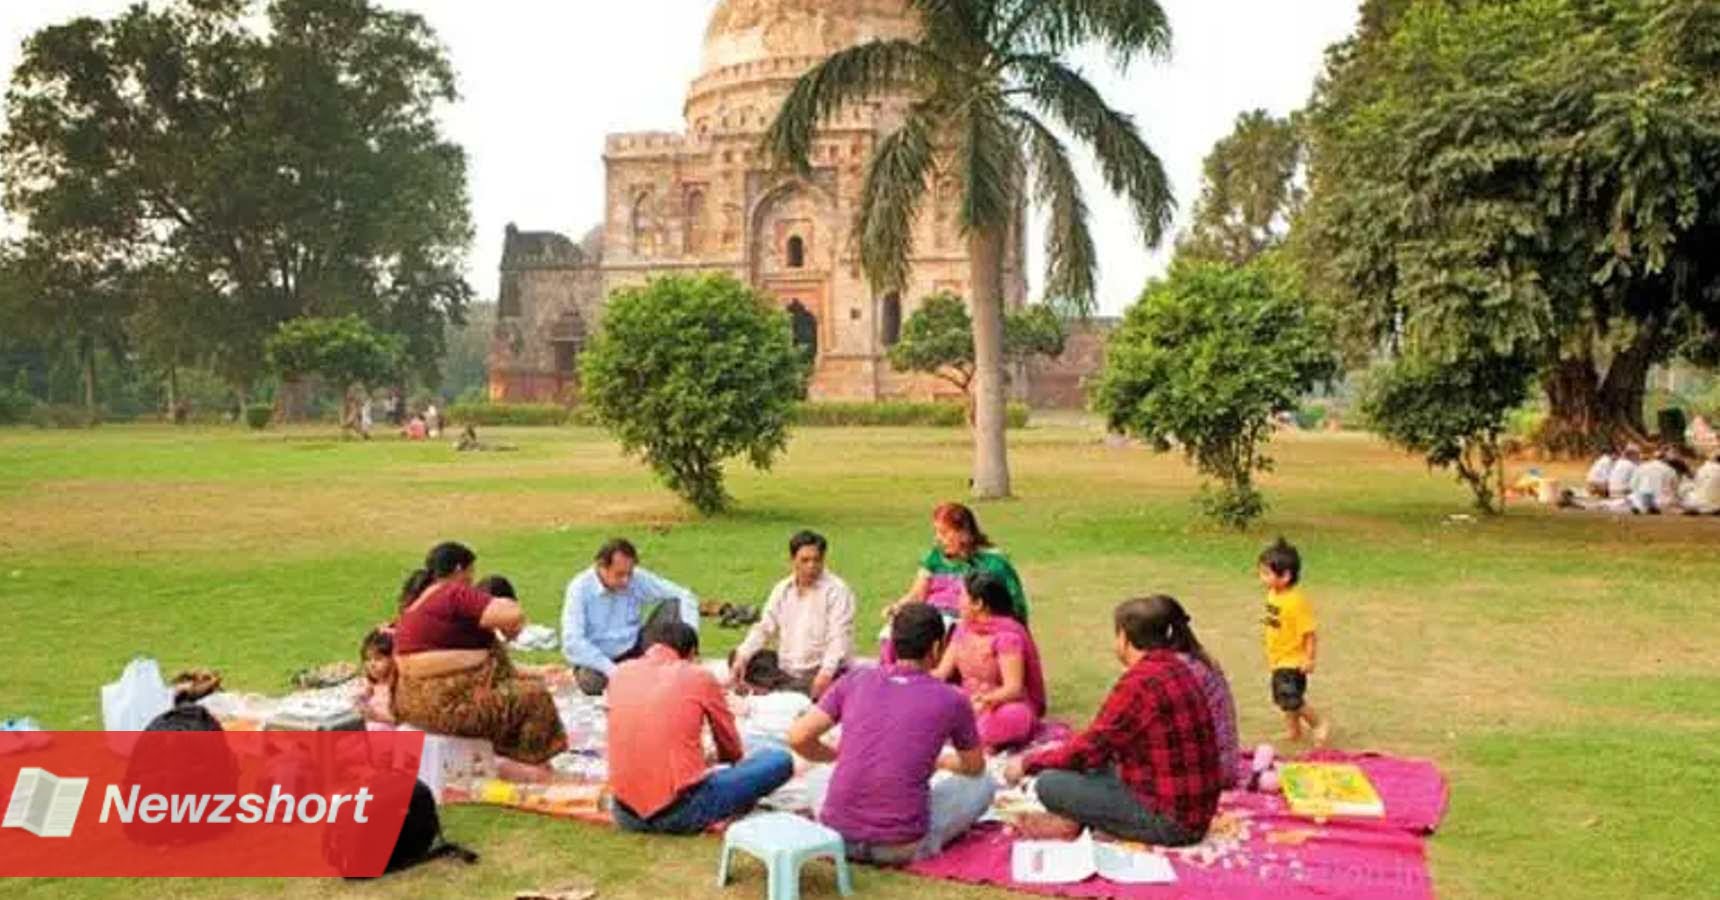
[1288, 688]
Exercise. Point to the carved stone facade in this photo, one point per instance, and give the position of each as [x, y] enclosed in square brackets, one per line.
[707, 201]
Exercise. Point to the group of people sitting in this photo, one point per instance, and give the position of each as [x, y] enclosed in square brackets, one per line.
[1625, 483]
[960, 675]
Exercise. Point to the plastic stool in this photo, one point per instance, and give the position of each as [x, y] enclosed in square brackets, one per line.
[784, 842]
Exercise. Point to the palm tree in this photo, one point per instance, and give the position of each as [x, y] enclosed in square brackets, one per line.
[985, 81]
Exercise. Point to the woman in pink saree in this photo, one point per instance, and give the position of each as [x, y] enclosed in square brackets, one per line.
[997, 662]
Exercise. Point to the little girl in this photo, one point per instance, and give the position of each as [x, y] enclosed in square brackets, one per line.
[376, 703]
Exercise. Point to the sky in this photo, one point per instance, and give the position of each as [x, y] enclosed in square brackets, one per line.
[543, 81]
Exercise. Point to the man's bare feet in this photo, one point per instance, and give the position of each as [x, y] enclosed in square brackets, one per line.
[1045, 826]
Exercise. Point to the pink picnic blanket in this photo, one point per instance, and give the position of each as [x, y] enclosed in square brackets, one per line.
[1257, 848]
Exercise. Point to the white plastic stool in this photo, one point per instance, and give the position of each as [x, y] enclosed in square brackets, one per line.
[784, 842]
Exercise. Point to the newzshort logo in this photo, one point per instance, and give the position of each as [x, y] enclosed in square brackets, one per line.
[47, 805]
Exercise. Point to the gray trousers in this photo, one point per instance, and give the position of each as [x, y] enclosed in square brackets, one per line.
[1101, 801]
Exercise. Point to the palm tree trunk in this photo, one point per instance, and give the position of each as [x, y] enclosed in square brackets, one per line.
[991, 453]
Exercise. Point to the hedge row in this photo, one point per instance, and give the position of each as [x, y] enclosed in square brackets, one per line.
[812, 415]
[894, 414]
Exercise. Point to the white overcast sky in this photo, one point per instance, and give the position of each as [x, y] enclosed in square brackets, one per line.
[544, 80]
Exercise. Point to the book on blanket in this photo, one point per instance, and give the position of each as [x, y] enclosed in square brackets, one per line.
[1069, 862]
[1329, 789]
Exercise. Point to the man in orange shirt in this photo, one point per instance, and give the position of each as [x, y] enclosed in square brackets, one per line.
[658, 707]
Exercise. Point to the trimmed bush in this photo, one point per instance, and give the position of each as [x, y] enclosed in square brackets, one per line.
[62, 415]
[492, 414]
[258, 415]
[15, 405]
[894, 414]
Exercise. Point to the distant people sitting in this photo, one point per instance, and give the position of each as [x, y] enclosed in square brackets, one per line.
[659, 705]
[1600, 473]
[433, 421]
[608, 608]
[454, 677]
[416, 429]
[895, 721]
[1148, 767]
[998, 664]
[1623, 473]
[1703, 497]
[1654, 486]
[810, 614]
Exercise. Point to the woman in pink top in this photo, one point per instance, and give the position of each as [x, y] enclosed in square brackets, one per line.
[998, 663]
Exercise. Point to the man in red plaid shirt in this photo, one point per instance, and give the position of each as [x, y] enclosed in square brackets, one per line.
[1147, 769]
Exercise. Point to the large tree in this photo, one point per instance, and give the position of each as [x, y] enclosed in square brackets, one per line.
[1250, 191]
[267, 173]
[988, 86]
[938, 340]
[1542, 173]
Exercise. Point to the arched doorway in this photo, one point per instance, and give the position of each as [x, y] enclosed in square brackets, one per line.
[805, 327]
[891, 319]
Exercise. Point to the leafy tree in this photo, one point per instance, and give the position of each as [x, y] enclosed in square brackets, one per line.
[346, 352]
[690, 372]
[1454, 412]
[984, 82]
[66, 299]
[294, 169]
[938, 340]
[1207, 359]
[1249, 193]
[1546, 171]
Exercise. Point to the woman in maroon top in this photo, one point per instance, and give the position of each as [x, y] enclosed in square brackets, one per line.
[454, 676]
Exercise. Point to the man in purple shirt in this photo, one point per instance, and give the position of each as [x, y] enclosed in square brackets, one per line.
[895, 721]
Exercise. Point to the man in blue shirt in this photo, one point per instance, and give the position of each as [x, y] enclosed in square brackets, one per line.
[605, 615]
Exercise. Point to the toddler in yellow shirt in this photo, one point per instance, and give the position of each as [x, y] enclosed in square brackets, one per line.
[1291, 643]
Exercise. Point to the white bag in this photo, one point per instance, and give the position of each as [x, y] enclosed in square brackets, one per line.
[139, 695]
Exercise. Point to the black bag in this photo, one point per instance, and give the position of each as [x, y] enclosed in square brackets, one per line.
[420, 839]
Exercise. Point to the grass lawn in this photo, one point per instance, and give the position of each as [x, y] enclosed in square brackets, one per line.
[1563, 669]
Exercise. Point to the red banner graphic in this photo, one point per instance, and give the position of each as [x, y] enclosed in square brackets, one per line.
[174, 804]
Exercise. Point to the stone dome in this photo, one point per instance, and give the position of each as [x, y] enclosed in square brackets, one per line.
[744, 31]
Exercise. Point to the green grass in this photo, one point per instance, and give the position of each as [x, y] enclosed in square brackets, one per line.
[1560, 667]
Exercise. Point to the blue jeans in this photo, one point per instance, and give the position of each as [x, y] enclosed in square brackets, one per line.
[723, 794]
[957, 803]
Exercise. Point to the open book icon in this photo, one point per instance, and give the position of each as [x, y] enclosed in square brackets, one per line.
[45, 804]
[1069, 862]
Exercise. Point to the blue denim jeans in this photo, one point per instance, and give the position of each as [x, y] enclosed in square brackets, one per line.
[957, 803]
[724, 794]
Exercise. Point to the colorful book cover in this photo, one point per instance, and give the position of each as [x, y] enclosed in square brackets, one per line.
[1321, 790]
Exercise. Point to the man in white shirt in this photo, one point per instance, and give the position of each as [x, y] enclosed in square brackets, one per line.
[1704, 495]
[1654, 487]
[1599, 474]
[811, 615]
[1623, 472]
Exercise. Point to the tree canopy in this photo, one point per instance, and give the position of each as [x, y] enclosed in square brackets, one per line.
[938, 339]
[984, 83]
[690, 372]
[1250, 191]
[1206, 360]
[230, 178]
[1539, 175]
